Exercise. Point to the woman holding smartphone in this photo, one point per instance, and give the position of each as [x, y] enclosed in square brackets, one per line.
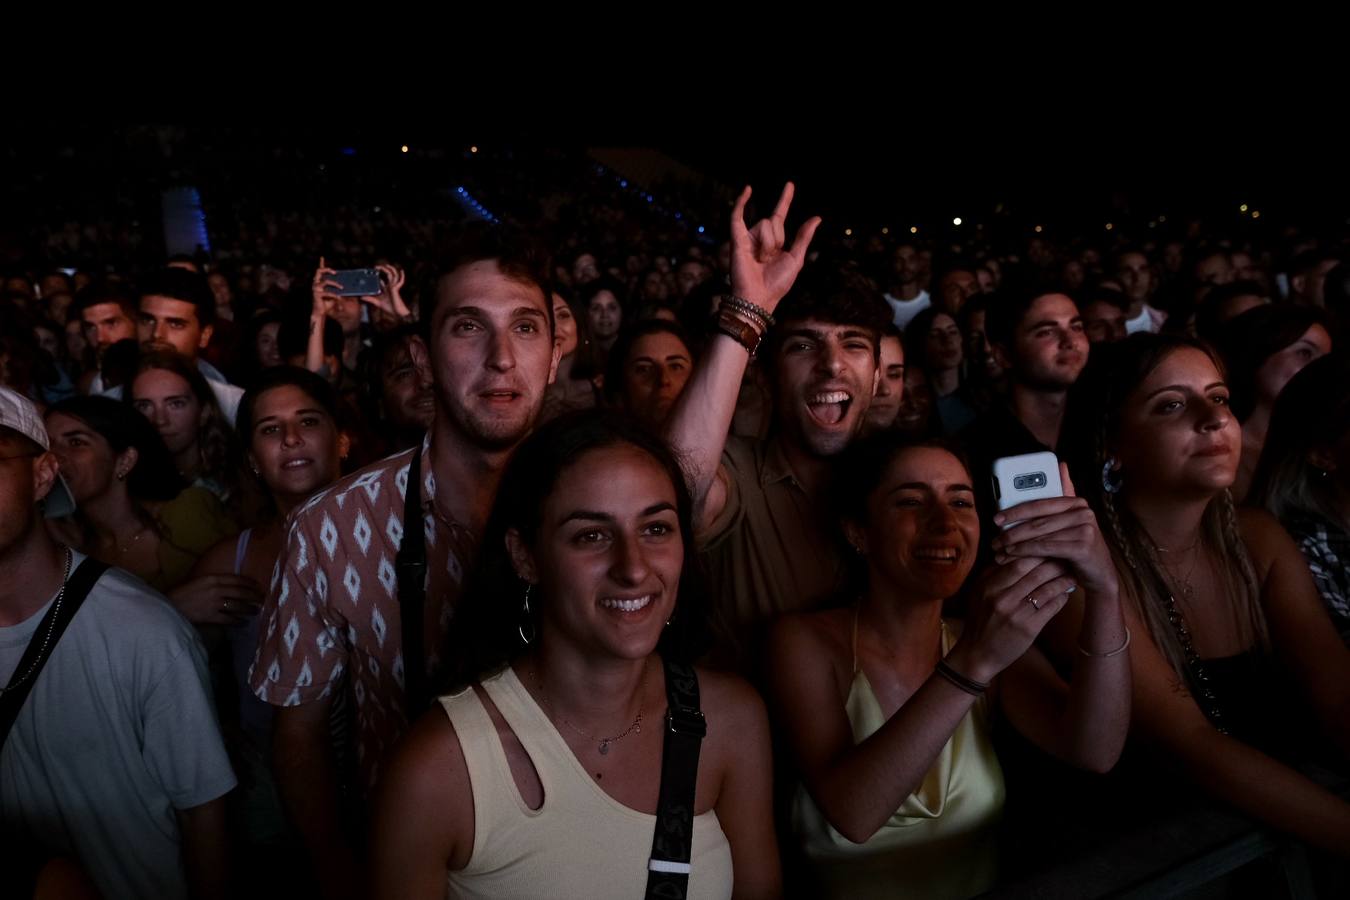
[886, 704]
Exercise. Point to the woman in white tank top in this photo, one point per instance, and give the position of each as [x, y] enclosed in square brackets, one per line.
[540, 776]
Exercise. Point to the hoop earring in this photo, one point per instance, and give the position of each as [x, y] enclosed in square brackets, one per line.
[1112, 479]
[525, 617]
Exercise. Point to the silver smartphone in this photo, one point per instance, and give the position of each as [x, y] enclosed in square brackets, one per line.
[1031, 476]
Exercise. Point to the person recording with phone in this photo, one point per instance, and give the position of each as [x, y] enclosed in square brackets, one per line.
[887, 705]
[342, 295]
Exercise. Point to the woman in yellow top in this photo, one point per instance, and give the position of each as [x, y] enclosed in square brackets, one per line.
[884, 702]
[540, 777]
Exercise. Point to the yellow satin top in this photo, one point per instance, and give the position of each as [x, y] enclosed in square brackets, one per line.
[941, 842]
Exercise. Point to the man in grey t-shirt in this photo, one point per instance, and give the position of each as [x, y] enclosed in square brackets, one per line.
[115, 759]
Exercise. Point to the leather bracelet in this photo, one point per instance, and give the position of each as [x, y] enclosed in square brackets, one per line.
[753, 309]
[1110, 653]
[969, 685]
[740, 331]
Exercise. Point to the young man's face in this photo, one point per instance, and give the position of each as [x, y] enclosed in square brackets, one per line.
[1135, 275]
[169, 324]
[1049, 347]
[491, 354]
[825, 376]
[1103, 322]
[26, 475]
[107, 323]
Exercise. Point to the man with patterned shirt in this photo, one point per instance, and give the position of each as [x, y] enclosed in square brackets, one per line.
[331, 622]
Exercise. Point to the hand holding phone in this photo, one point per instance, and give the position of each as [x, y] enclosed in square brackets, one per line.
[1043, 518]
[355, 282]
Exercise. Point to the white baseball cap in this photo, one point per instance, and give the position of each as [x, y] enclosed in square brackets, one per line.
[18, 413]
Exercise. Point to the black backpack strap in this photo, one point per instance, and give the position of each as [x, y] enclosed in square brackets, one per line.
[411, 566]
[40, 646]
[672, 845]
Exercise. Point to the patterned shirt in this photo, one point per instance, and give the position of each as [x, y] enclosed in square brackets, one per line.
[331, 620]
[1327, 549]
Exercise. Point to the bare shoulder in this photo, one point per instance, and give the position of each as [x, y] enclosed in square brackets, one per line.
[814, 634]
[219, 558]
[728, 697]
[1265, 537]
[428, 770]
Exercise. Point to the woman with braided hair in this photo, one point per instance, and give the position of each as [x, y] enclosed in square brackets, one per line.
[1227, 623]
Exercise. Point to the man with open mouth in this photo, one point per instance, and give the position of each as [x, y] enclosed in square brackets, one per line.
[762, 518]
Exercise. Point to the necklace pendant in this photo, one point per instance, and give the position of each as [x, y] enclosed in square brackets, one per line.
[604, 747]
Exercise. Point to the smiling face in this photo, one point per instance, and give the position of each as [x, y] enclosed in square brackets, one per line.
[608, 554]
[922, 529]
[825, 376]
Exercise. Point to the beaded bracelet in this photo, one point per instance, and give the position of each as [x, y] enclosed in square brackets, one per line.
[740, 304]
[969, 685]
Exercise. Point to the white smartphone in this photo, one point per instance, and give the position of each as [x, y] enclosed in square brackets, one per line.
[1031, 476]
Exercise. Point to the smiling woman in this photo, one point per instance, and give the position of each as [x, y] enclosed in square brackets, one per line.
[883, 702]
[547, 763]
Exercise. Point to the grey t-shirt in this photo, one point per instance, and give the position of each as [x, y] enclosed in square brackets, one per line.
[118, 732]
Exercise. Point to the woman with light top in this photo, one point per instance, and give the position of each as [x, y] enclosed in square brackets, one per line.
[545, 768]
[886, 704]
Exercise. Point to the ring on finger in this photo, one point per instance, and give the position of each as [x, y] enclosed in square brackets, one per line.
[1032, 600]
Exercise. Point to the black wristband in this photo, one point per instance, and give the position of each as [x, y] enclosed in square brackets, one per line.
[969, 685]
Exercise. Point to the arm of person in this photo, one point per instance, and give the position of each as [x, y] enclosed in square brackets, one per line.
[1086, 723]
[205, 849]
[1300, 627]
[213, 594]
[410, 850]
[762, 271]
[306, 775]
[321, 305]
[859, 786]
[744, 802]
[1168, 720]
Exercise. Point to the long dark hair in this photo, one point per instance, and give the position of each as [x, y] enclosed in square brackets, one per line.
[154, 478]
[1313, 409]
[215, 437]
[486, 636]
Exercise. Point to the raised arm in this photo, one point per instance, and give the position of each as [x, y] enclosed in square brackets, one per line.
[763, 269]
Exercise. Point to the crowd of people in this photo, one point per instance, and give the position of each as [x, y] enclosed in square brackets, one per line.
[577, 567]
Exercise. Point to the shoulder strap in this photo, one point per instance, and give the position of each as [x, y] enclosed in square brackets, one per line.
[43, 641]
[673, 843]
[411, 566]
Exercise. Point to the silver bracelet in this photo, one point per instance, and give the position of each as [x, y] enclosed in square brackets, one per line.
[1116, 652]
